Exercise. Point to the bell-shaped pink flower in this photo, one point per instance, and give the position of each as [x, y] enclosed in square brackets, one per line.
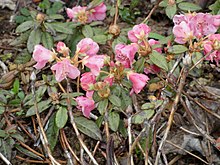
[203, 24]
[42, 55]
[85, 104]
[98, 13]
[182, 33]
[87, 47]
[87, 79]
[212, 44]
[138, 81]
[61, 48]
[154, 42]
[65, 69]
[139, 33]
[125, 54]
[78, 14]
[94, 63]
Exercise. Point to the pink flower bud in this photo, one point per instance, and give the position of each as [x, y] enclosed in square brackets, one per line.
[61, 48]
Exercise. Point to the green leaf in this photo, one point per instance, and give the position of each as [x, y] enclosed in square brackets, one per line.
[47, 40]
[171, 10]
[94, 3]
[177, 49]
[55, 17]
[156, 36]
[61, 117]
[17, 136]
[2, 110]
[139, 65]
[33, 14]
[60, 37]
[52, 132]
[24, 11]
[115, 100]
[3, 98]
[25, 26]
[140, 117]
[15, 102]
[159, 60]
[55, 8]
[50, 29]
[87, 31]
[148, 106]
[21, 39]
[3, 133]
[16, 86]
[102, 106]
[163, 3]
[34, 39]
[116, 90]
[122, 129]
[187, 6]
[196, 57]
[6, 148]
[113, 119]
[23, 57]
[88, 127]
[126, 99]
[215, 7]
[28, 153]
[99, 121]
[61, 27]
[101, 39]
[42, 106]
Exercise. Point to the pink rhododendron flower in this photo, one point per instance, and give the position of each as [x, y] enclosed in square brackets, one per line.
[78, 14]
[182, 33]
[98, 13]
[87, 79]
[153, 69]
[87, 47]
[125, 54]
[203, 24]
[94, 63]
[139, 33]
[89, 94]
[199, 24]
[138, 81]
[154, 42]
[61, 48]
[65, 69]
[85, 104]
[213, 44]
[42, 55]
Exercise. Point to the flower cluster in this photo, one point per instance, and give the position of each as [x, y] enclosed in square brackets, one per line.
[194, 26]
[85, 15]
[198, 30]
[67, 67]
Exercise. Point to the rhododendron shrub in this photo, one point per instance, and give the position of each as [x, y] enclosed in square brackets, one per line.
[108, 81]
